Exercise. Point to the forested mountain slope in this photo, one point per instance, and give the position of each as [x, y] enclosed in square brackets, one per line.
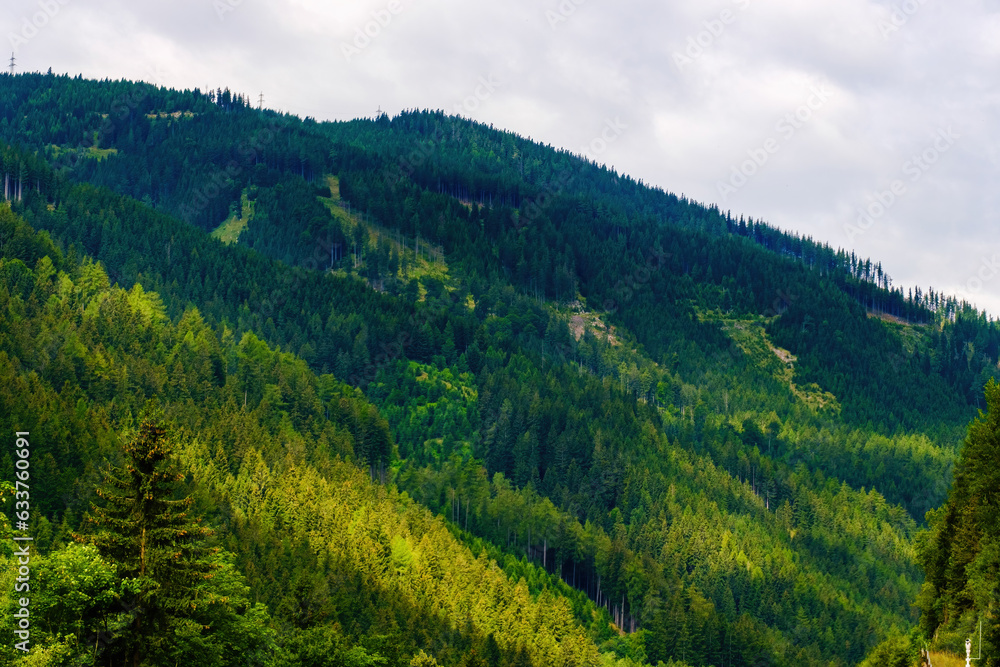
[693, 423]
[268, 449]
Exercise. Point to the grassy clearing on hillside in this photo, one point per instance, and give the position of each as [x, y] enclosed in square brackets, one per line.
[914, 337]
[750, 336]
[946, 660]
[418, 259]
[91, 152]
[229, 231]
[175, 115]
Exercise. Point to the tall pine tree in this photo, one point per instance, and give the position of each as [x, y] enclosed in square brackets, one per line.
[154, 541]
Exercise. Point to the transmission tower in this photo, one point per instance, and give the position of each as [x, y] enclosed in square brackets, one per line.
[13, 62]
[260, 100]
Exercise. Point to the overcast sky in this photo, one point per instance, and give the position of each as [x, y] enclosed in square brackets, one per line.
[868, 125]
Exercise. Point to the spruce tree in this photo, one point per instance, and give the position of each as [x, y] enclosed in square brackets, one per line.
[152, 539]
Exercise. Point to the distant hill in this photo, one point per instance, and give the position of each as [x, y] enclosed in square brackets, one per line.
[682, 434]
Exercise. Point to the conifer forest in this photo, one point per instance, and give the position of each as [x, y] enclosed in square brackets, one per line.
[416, 391]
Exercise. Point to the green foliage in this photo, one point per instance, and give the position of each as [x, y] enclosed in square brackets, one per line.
[895, 652]
[82, 594]
[159, 552]
[960, 551]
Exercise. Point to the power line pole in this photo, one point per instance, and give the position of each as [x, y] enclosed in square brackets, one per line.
[968, 648]
[12, 63]
[260, 100]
